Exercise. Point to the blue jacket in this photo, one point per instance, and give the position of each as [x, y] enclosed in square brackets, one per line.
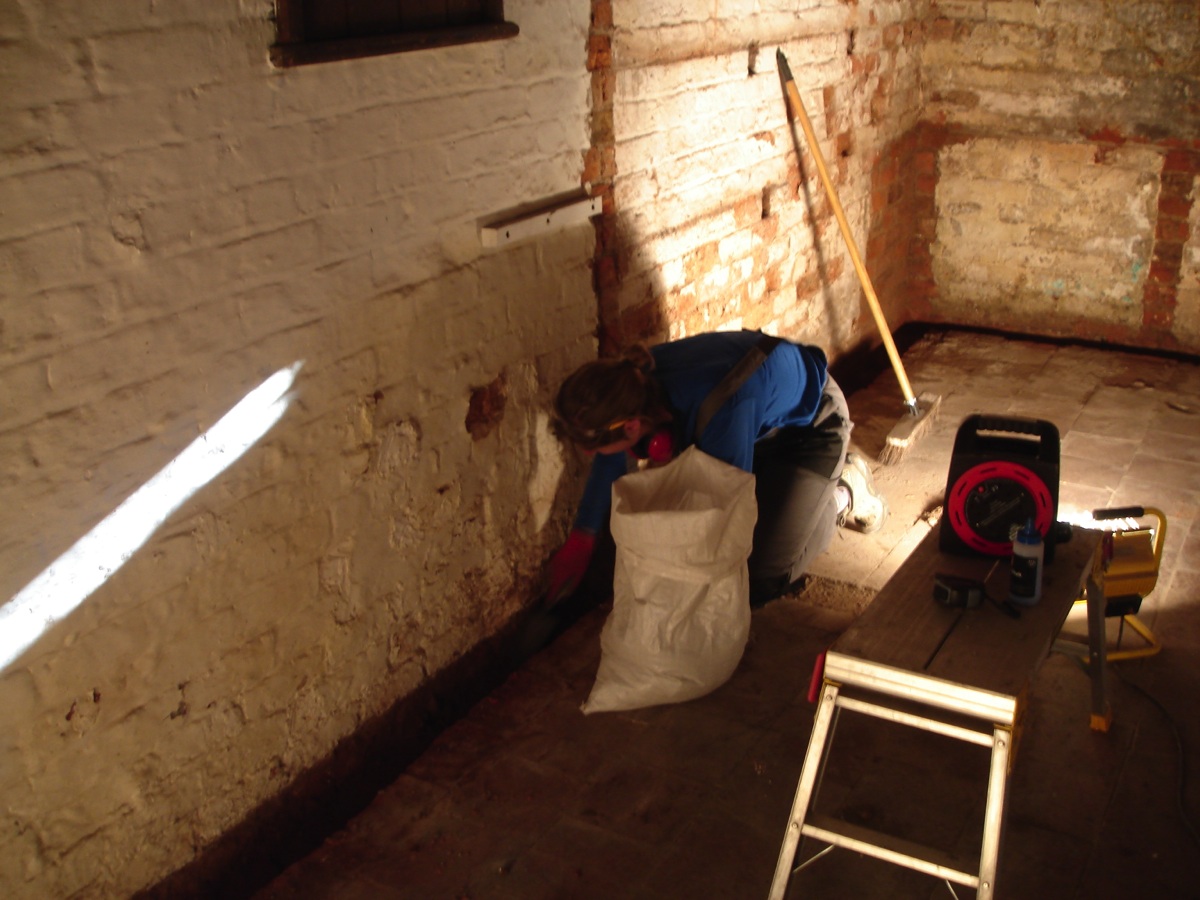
[785, 390]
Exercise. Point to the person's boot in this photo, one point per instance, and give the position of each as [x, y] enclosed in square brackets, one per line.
[867, 509]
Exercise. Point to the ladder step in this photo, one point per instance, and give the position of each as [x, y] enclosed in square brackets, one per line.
[891, 849]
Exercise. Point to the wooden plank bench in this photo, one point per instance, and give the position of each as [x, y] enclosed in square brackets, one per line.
[962, 673]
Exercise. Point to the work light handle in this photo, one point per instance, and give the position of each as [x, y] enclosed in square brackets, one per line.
[1119, 512]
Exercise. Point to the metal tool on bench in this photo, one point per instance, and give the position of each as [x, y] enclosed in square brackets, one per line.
[957, 592]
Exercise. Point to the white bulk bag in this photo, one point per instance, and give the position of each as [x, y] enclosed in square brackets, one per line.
[681, 589]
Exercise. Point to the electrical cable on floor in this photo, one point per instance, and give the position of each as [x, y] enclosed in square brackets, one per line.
[1180, 797]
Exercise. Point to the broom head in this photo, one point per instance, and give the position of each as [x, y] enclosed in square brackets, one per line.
[911, 428]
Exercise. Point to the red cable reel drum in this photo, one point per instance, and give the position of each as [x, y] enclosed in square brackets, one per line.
[1004, 471]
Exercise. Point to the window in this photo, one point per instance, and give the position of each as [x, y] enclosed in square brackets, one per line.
[312, 31]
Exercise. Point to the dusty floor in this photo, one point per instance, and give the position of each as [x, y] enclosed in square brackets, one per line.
[528, 798]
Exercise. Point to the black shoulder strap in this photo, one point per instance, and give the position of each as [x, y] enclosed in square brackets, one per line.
[733, 380]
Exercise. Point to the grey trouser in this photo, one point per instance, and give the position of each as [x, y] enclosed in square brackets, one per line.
[797, 471]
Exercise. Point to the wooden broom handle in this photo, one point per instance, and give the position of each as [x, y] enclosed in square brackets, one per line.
[796, 108]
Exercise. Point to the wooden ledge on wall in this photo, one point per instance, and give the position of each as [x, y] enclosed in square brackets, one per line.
[539, 217]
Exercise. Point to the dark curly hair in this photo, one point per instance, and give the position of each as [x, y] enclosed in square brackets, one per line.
[597, 399]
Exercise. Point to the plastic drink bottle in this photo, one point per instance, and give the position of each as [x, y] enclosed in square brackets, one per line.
[1028, 556]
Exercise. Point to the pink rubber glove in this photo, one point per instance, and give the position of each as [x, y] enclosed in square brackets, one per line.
[569, 564]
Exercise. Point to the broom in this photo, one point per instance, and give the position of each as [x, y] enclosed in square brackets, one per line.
[921, 411]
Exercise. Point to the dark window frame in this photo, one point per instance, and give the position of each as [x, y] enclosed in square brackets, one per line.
[301, 39]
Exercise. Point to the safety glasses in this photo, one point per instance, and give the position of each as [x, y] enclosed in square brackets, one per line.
[591, 438]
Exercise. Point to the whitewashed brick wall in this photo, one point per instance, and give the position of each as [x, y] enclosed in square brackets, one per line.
[1041, 228]
[179, 220]
[1064, 195]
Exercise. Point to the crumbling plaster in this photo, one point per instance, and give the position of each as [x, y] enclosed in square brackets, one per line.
[179, 220]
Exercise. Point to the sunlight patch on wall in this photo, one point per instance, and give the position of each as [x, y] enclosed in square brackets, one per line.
[71, 578]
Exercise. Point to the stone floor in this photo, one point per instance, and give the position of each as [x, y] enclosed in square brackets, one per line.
[528, 798]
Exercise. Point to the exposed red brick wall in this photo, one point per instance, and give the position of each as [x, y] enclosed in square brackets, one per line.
[920, 154]
[713, 215]
[991, 170]
[600, 168]
[1181, 166]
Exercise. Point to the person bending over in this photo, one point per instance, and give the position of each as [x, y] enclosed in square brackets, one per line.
[787, 422]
